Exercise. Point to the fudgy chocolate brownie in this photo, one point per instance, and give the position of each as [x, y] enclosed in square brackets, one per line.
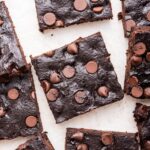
[137, 82]
[19, 114]
[88, 139]
[57, 13]
[142, 117]
[40, 142]
[12, 58]
[135, 13]
[78, 77]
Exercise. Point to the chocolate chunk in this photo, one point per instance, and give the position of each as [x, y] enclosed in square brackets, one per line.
[137, 91]
[80, 5]
[103, 91]
[69, 72]
[49, 19]
[45, 85]
[80, 97]
[72, 48]
[147, 143]
[13, 94]
[139, 49]
[107, 138]
[82, 147]
[98, 9]
[55, 77]
[52, 95]
[31, 121]
[78, 136]
[130, 24]
[91, 67]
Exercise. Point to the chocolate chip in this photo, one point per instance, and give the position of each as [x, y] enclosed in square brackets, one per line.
[148, 56]
[72, 48]
[50, 53]
[148, 16]
[98, 9]
[31, 121]
[147, 145]
[46, 85]
[33, 95]
[59, 23]
[1, 22]
[80, 5]
[133, 80]
[49, 19]
[91, 67]
[2, 112]
[52, 95]
[55, 77]
[130, 24]
[68, 71]
[147, 92]
[107, 138]
[135, 61]
[78, 136]
[103, 91]
[80, 97]
[13, 94]
[139, 48]
[82, 147]
[137, 91]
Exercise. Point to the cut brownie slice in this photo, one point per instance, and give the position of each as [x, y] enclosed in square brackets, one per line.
[88, 139]
[12, 58]
[135, 13]
[142, 117]
[19, 113]
[40, 142]
[137, 82]
[54, 13]
[78, 77]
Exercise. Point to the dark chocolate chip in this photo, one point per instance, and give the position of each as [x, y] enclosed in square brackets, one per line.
[137, 91]
[80, 5]
[133, 80]
[59, 23]
[103, 91]
[98, 9]
[50, 53]
[80, 97]
[31, 121]
[52, 95]
[148, 56]
[78, 136]
[147, 92]
[55, 77]
[69, 72]
[107, 138]
[130, 24]
[49, 19]
[148, 16]
[46, 85]
[13, 94]
[91, 67]
[135, 61]
[2, 112]
[72, 48]
[82, 147]
[139, 48]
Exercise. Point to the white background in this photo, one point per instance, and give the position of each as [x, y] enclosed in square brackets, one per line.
[115, 117]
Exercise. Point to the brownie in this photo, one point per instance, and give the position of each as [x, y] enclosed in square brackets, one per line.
[19, 113]
[134, 13]
[142, 117]
[137, 81]
[40, 142]
[12, 59]
[88, 139]
[55, 14]
[78, 77]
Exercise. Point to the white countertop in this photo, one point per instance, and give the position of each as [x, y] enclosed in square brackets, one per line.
[115, 117]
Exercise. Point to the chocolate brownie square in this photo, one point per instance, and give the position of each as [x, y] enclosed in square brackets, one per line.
[40, 142]
[54, 14]
[12, 59]
[137, 81]
[88, 139]
[142, 117]
[19, 113]
[78, 77]
[135, 13]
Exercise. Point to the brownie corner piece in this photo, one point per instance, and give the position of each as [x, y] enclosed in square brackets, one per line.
[135, 14]
[12, 59]
[19, 112]
[78, 77]
[137, 80]
[142, 118]
[39, 142]
[89, 139]
[55, 14]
